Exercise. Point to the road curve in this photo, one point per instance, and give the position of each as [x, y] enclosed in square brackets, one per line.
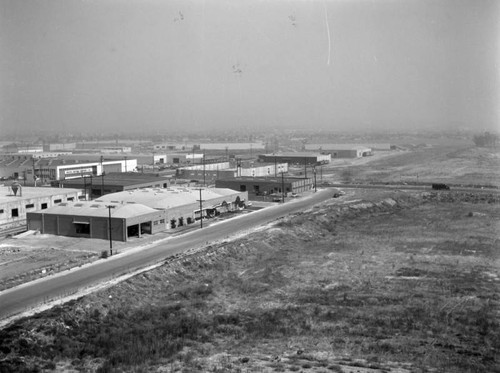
[16, 300]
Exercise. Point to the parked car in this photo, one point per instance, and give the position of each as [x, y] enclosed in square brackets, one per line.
[439, 186]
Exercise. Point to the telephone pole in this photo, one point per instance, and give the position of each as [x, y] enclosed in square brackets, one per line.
[201, 208]
[110, 231]
[283, 187]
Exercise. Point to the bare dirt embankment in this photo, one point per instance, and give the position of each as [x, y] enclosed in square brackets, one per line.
[393, 282]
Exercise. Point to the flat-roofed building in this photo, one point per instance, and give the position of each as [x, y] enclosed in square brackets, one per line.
[136, 212]
[225, 170]
[115, 182]
[16, 201]
[296, 158]
[340, 150]
[258, 186]
[29, 168]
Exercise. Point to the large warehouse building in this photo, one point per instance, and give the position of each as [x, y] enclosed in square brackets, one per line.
[115, 182]
[341, 150]
[296, 158]
[266, 186]
[134, 213]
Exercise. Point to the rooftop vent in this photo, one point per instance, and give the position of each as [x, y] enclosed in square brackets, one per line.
[78, 204]
[95, 206]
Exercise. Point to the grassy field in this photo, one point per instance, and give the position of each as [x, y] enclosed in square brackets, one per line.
[389, 282]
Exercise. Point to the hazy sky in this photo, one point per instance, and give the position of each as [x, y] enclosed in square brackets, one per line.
[164, 64]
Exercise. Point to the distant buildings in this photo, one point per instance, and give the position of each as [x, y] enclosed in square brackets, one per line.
[340, 150]
[29, 168]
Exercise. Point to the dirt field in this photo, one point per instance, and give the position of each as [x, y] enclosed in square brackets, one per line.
[391, 282]
[466, 166]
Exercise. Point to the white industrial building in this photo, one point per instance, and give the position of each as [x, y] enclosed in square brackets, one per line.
[137, 212]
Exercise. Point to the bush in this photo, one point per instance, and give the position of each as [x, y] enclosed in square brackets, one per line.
[104, 254]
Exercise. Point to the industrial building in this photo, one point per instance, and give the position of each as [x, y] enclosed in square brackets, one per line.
[296, 158]
[27, 167]
[16, 201]
[266, 186]
[114, 182]
[340, 150]
[211, 172]
[135, 213]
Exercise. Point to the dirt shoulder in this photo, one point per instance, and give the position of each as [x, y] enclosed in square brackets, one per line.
[370, 282]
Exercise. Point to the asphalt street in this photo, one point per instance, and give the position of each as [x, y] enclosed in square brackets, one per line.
[16, 300]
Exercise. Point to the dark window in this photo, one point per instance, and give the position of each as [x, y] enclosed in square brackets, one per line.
[71, 198]
[162, 221]
[57, 200]
[1, 211]
[30, 205]
[44, 206]
[243, 188]
[15, 213]
[155, 222]
[82, 228]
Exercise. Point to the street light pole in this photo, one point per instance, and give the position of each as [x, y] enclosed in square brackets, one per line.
[110, 231]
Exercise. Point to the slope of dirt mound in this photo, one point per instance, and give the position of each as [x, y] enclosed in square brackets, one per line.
[367, 286]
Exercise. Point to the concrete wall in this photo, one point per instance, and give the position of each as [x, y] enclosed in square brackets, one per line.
[23, 204]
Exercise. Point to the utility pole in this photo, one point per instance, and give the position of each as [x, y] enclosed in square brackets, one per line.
[34, 176]
[305, 167]
[85, 186]
[201, 209]
[204, 184]
[110, 231]
[102, 177]
[283, 187]
[102, 183]
[275, 167]
[90, 194]
[314, 171]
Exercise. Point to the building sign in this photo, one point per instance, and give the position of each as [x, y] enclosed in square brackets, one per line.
[78, 171]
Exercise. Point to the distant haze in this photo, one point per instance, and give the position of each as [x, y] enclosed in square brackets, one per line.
[104, 65]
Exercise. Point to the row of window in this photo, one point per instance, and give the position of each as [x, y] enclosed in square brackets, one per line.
[43, 206]
[161, 221]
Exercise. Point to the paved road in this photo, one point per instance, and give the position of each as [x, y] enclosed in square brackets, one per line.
[26, 296]
[427, 188]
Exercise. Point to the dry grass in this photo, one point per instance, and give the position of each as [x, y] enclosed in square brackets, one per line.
[369, 286]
